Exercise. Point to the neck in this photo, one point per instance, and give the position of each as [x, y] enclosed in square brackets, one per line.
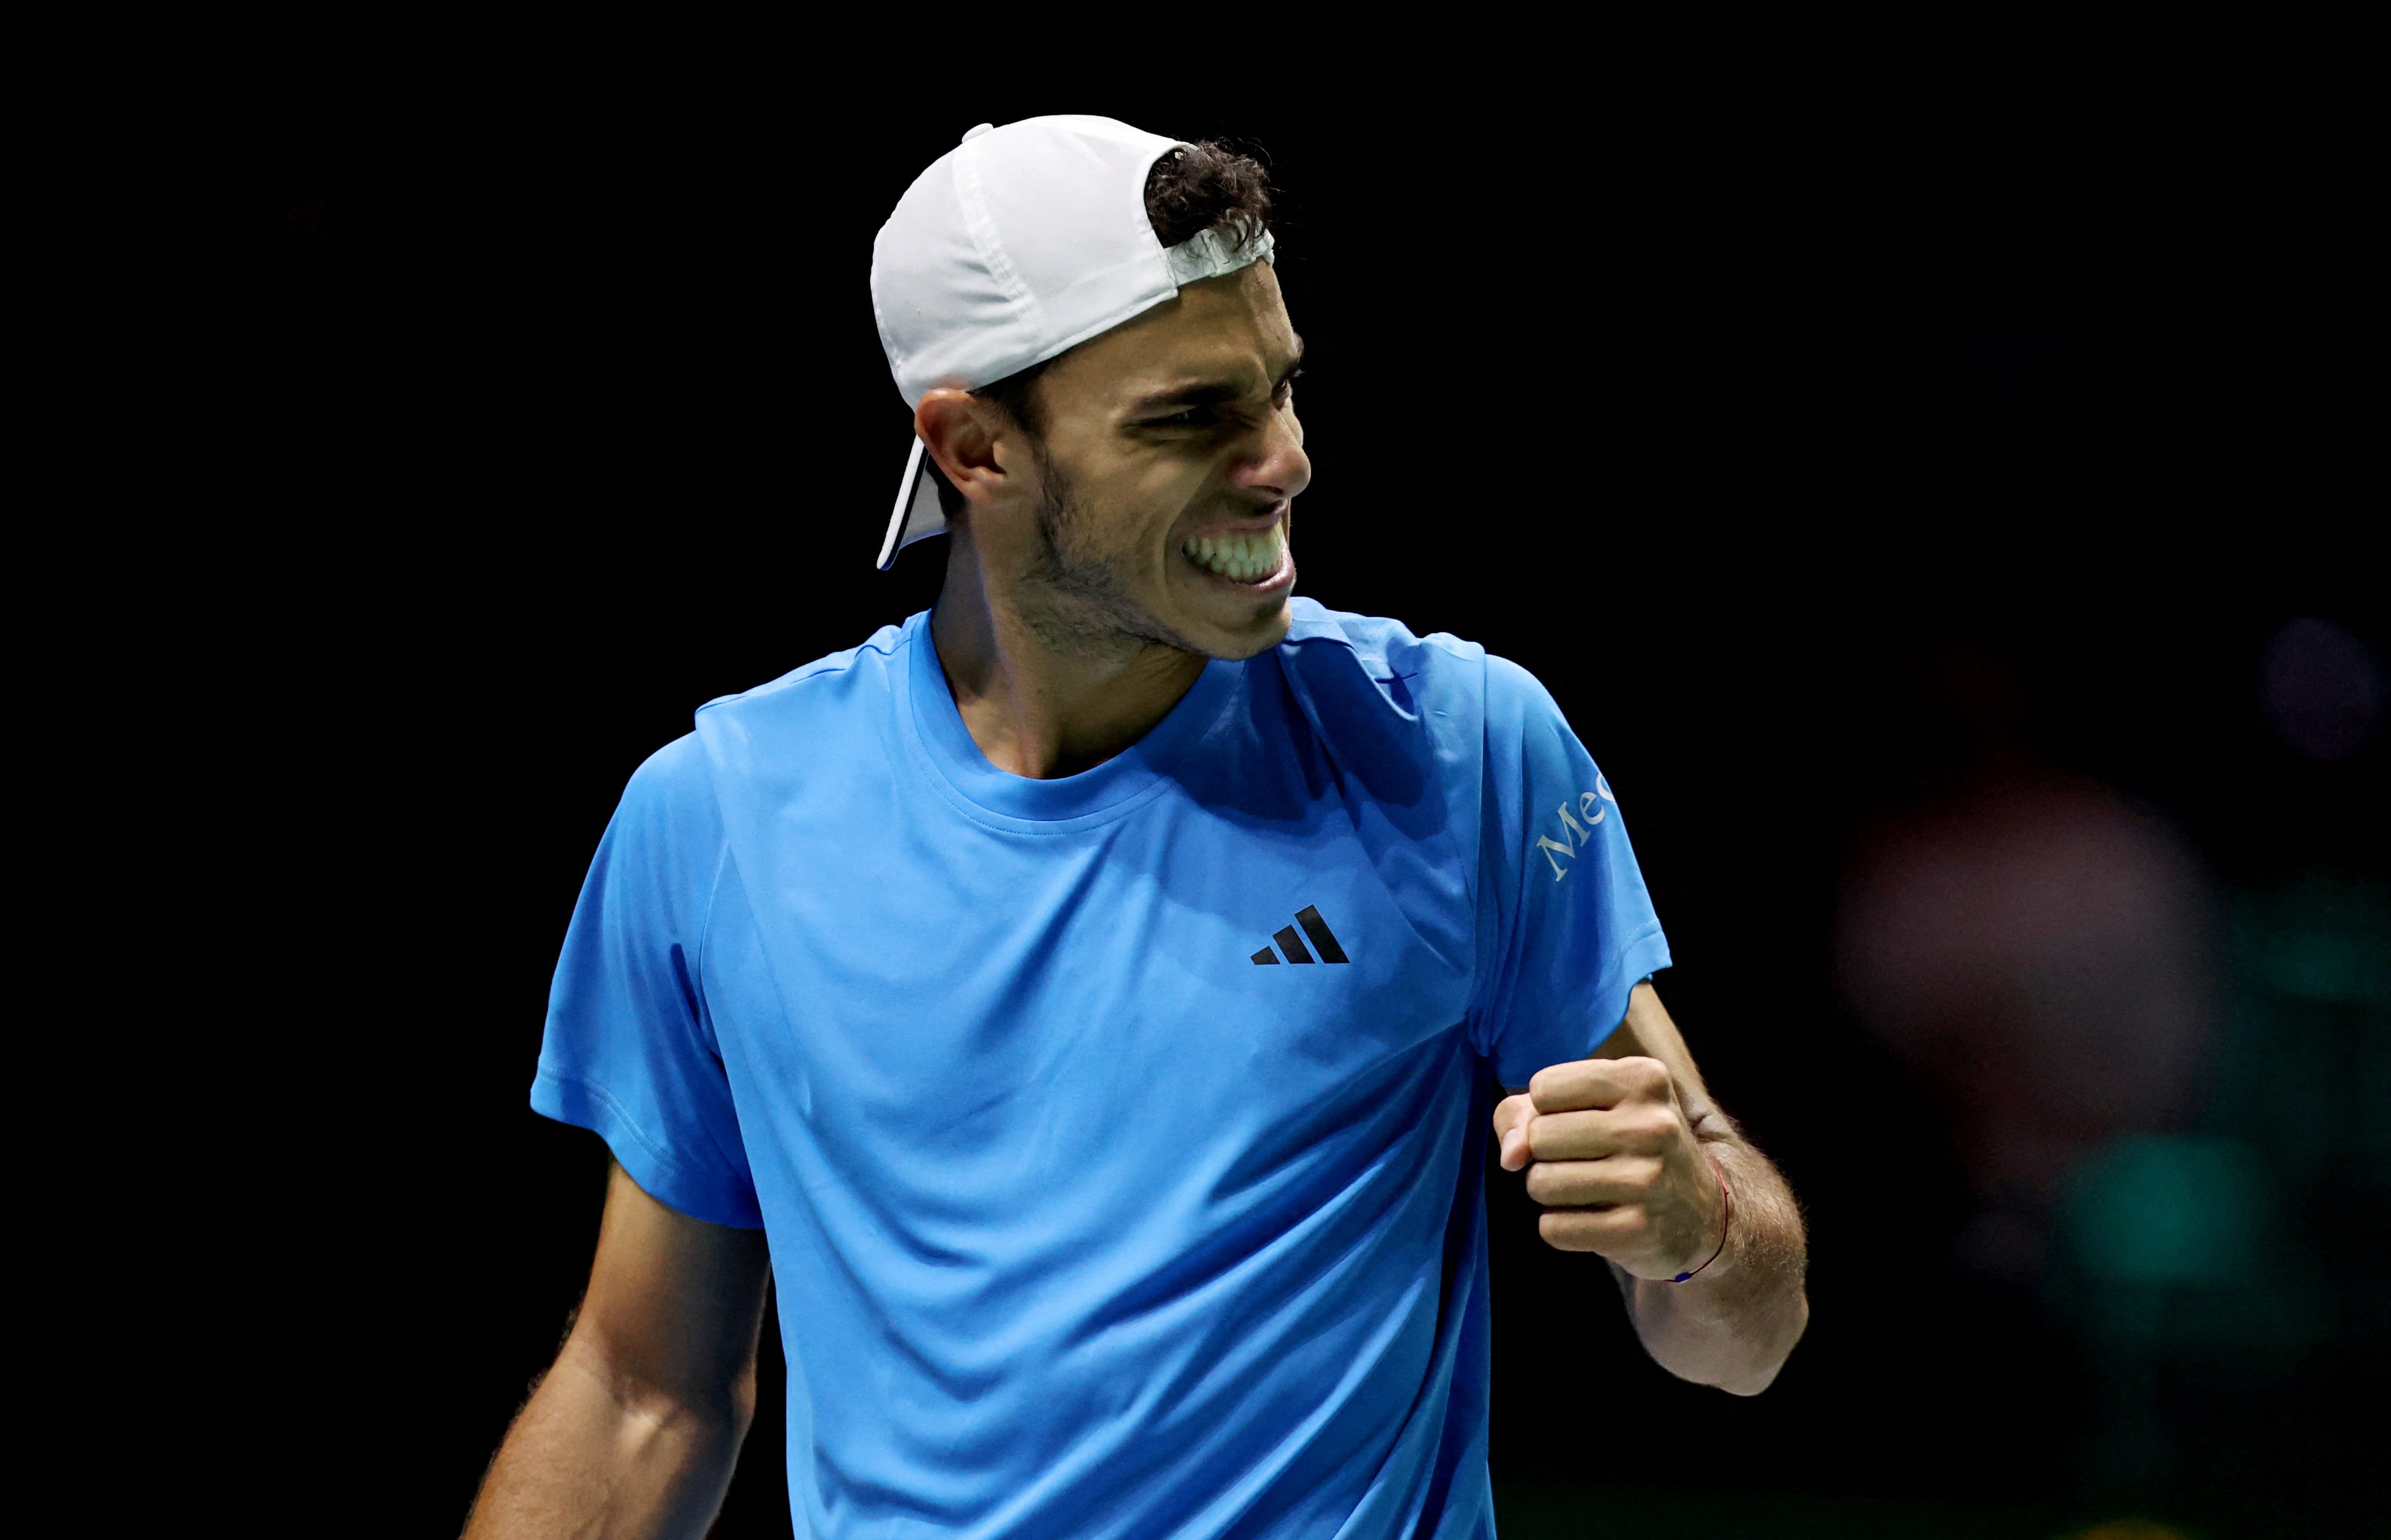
[1043, 699]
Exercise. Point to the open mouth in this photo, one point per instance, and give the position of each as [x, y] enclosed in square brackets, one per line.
[1239, 556]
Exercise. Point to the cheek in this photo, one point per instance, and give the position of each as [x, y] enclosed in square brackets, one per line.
[1132, 510]
[1155, 506]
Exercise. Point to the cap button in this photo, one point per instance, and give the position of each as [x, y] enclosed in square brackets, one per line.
[971, 134]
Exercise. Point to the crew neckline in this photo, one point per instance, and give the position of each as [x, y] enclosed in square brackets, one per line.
[935, 732]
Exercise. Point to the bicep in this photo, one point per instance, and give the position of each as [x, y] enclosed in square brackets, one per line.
[675, 1303]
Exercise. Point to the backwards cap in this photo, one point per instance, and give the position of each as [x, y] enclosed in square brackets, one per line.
[1019, 243]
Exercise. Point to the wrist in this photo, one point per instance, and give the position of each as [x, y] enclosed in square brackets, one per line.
[1727, 1222]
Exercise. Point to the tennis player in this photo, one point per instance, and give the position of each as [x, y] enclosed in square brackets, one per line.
[1085, 1000]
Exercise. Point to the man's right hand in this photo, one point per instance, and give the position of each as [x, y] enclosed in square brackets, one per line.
[635, 1429]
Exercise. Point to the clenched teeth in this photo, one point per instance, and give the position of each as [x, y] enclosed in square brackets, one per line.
[1244, 557]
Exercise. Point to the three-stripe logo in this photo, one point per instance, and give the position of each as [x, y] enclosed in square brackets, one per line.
[1324, 941]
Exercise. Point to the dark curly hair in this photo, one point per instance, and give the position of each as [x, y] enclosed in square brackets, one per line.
[1188, 191]
[1198, 186]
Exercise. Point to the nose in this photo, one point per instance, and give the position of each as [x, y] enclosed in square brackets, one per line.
[1276, 467]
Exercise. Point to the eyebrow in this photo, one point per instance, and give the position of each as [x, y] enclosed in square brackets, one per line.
[1209, 392]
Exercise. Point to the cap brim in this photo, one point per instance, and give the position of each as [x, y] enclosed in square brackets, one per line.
[917, 515]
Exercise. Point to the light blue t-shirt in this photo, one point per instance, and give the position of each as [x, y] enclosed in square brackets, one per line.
[1120, 1138]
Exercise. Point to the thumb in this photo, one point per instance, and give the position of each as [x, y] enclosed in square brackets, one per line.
[1512, 1115]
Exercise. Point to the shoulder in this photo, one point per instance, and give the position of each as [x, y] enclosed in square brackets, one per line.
[791, 720]
[1335, 650]
[824, 686]
[1517, 701]
[672, 798]
[667, 811]
[1398, 711]
[1435, 676]
[1386, 648]
[669, 776]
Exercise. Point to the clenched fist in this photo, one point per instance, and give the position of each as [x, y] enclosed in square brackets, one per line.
[1613, 1159]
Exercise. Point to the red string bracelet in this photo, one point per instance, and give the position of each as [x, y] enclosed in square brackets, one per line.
[1726, 1196]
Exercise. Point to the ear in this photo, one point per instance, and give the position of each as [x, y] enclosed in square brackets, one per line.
[961, 433]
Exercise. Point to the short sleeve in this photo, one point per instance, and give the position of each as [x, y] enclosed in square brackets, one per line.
[629, 1050]
[1566, 928]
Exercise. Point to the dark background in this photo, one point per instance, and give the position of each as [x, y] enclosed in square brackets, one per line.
[1737, 420]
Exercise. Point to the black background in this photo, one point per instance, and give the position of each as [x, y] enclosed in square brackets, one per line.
[546, 420]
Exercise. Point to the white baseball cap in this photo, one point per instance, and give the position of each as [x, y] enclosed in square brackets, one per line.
[1016, 245]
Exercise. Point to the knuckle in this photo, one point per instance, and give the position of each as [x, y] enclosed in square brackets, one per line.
[1546, 1137]
[1548, 1087]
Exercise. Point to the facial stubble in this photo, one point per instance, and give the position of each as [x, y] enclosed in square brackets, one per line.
[1074, 594]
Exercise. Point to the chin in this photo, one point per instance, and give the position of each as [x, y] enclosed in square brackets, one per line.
[1234, 644]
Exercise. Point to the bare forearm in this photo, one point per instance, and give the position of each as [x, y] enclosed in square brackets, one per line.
[594, 1457]
[1734, 1324]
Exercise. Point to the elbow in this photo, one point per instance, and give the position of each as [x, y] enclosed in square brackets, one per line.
[651, 1410]
[1754, 1383]
[1756, 1376]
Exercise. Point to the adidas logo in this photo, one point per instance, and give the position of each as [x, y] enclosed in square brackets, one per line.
[1324, 941]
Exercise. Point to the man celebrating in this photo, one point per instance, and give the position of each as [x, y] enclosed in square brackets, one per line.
[1084, 998]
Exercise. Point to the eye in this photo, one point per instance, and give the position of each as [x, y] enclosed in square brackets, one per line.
[1194, 417]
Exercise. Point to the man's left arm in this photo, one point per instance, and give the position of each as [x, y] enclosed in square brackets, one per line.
[1627, 1153]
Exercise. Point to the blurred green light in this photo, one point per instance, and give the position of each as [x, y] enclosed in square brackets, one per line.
[2169, 1209]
